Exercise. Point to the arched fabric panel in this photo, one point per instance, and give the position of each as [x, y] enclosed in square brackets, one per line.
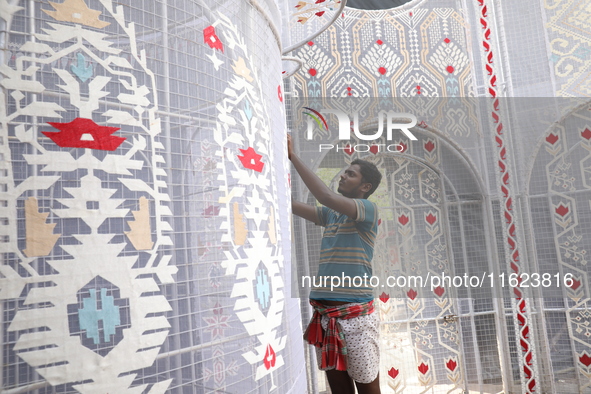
[558, 204]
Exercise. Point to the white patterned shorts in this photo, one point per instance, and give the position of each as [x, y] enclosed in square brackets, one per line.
[363, 350]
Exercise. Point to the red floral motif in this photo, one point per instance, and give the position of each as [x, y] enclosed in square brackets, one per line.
[382, 70]
[384, 297]
[211, 211]
[393, 373]
[348, 149]
[279, 93]
[251, 160]
[585, 359]
[349, 91]
[532, 385]
[430, 218]
[423, 368]
[412, 294]
[429, 146]
[447, 40]
[403, 219]
[320, 13]
[575, 284]
[379, 42]
[312, 72]
[450, 69]
[586, 134]
[562, 210]
[270, 357]
[84, 133]
[374, 149]
[451, 365]
[310, 43]
[439, 291]
[212, 39]
[403, 145]
[218, 323]
[552, 138]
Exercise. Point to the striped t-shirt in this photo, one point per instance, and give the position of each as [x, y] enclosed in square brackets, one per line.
[346, 252]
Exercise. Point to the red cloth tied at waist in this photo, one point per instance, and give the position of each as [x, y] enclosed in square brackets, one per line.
[332, 341]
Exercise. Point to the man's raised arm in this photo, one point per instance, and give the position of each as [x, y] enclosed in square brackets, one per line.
[305, 211]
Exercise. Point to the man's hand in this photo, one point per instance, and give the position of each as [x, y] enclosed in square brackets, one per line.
[289, 146]
[323, 194]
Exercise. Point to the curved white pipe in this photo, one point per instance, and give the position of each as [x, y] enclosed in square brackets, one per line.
[297, 60]
[270, 22]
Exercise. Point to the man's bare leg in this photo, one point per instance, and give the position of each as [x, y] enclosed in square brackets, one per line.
[369, 388]
[340, 382]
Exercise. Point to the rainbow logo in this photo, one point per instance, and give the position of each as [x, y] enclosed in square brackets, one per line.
[317, 116]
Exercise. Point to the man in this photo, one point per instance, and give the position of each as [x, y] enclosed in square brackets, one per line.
[344, 327]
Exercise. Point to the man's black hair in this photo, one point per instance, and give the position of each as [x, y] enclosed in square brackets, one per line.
[370, 174]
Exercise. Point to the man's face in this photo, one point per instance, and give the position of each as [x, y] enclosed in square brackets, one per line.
[351, 183]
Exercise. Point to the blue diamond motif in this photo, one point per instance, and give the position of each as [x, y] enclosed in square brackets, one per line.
[262, 288]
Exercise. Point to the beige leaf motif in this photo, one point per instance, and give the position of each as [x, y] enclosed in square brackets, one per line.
[76, 11]
[241, 69]
[38, 234]
[140, 234]
[240, 231]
